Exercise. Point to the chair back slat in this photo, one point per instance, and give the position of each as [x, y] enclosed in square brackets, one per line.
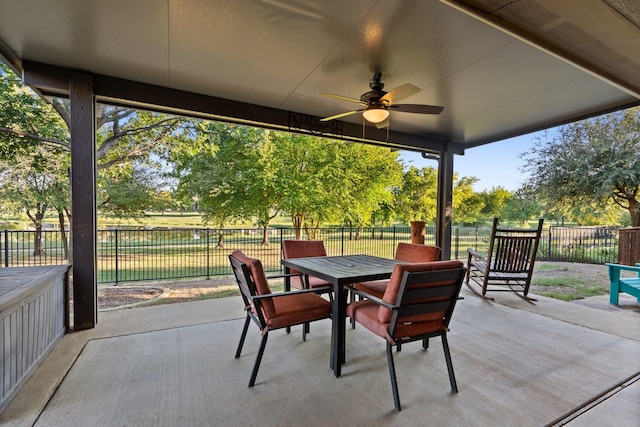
[425, 308]
[513, 254]
[432, 284]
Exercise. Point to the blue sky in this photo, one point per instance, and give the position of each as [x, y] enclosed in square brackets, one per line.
[496, 164]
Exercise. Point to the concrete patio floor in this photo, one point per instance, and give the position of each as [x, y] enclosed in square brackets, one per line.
[516, 363]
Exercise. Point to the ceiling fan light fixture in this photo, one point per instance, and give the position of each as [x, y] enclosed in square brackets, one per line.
[375, 115]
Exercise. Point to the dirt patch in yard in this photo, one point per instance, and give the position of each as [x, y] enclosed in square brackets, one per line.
[110, 297]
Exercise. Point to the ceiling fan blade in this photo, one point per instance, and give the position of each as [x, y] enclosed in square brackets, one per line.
[337, 116]
[400, 93]
[344, 98]
[417, 108]
[383, 124]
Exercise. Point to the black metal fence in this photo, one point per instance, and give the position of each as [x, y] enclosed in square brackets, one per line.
[128, 255]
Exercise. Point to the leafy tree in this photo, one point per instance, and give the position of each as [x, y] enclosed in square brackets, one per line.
[125, 139]
[415, 200]
[26, 121]
[495, 201]
[522, 206]
[466, 204]
[591, 161]
[36, 183]
[308, 177]
[251, 174]
[228, 174]
[32, 145]
[364, 177]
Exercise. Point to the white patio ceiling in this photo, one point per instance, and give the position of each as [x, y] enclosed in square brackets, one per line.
[558, 61]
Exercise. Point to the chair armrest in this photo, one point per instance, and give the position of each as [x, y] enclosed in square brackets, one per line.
[282, 276]
[614, 269]
[475, 254]
[319, 290]
[372, 298]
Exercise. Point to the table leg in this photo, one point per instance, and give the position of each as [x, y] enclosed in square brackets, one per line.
[287, 288]
[338, 329]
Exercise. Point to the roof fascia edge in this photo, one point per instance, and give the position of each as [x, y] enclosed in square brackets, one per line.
[545, 46]
[10, 58]
[54, 80]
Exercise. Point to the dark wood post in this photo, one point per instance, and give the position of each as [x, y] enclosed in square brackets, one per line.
[444, 203]
[83, 203]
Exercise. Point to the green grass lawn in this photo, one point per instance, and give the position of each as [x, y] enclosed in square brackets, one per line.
[569, 282]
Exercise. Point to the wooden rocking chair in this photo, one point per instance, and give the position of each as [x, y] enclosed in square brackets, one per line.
[510, 261]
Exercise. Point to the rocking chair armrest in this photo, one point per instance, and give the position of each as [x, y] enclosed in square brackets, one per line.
[475, 254]
[372, 298]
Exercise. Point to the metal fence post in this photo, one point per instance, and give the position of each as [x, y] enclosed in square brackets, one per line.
[116, 254]
[476, 246]
[395, 243]
[549, 245]
[208, 251]
[342, 241]
[281, 240]
[6, 248]
[457, 240]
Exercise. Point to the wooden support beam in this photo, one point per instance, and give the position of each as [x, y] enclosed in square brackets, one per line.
[83, 201]
[444, 203]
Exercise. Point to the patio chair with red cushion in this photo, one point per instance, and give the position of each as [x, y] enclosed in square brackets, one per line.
[408, 252]
[271, 310]
[303, 249]
[417, 305]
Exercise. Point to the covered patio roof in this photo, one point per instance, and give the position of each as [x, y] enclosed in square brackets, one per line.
[500, 68]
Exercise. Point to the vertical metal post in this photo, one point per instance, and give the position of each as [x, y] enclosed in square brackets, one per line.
[457, 240]
[206, 233]
[395, 243]
[116, 254]
[6, 248]
[281, 252]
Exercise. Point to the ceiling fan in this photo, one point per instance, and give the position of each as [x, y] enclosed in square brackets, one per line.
[377, 103]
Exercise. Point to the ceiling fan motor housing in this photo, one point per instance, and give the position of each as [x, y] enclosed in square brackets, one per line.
[372, 98]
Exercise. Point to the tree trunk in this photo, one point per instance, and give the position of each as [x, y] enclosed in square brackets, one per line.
[37, 241]
[220, 239]
[633, 211]
[296, 220]
[63, 234]
[37, 236]
[265, 235]
[69, 248]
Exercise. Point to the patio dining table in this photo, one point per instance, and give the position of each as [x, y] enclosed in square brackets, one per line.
[340, 271]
